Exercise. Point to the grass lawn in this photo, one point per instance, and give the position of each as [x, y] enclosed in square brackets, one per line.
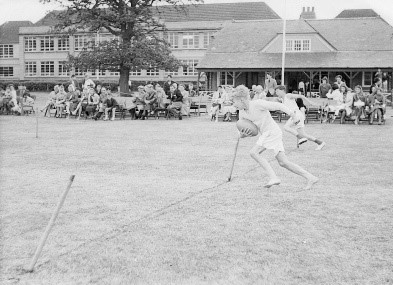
[150, 205]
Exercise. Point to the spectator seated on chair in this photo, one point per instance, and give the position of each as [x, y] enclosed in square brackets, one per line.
[162, 99]
[191, 90]
[82, 103]
[216, 103]
[92, 103]
[130, 106]
[50, 103]
[69, 99]
[345, 104]
[6, 98]
[102, 103]
[176, 99]
[227, 103]
[14, 102]
[185, 108]
[140, 102]
[359, 104]
[150, 100]
[110, 106]
[60, 101]
[336, 99]
[27, 102]
[377, 106]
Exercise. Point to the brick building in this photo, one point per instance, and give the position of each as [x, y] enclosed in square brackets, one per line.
[39, 55]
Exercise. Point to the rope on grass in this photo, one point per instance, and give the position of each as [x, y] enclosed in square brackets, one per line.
[162, 211]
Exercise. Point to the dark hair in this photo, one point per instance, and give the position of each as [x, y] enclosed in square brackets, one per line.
[169, 76]
[73, 75]
[335, 86]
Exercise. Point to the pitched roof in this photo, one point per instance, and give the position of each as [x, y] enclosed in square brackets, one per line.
[356, 33]
[199, 12]
[259, 60]
[357, 13]
[358, 42]
[217, 12]
[9, 31]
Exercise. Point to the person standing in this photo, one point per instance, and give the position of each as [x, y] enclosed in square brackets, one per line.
[270, 85]
[324, 88]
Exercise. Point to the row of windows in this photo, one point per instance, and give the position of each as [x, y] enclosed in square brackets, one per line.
[176, 40]
[298, 45]
[47, 43]
[6, 51]
[188, 40]
[47, 68]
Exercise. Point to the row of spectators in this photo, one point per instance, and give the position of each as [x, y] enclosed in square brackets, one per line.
[94, 101]
[15, 101]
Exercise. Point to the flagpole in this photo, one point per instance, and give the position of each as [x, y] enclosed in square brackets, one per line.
[284, 44]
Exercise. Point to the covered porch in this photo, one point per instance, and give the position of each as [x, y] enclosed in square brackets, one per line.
[311, 77]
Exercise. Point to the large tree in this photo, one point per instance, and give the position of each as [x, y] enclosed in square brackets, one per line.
[137, 43]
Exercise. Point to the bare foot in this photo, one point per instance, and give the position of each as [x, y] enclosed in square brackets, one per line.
[272, 182]
[310, 182]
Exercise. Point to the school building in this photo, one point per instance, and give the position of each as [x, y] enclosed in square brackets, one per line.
[30, 52]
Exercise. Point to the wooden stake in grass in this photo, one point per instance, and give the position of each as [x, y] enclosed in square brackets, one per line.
[234, 157]
[49, 227]
[36, 129]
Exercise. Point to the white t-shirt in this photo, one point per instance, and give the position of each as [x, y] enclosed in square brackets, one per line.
[258, 113]
[290, 103]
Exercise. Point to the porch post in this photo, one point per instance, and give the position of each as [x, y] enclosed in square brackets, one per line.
[200, 98]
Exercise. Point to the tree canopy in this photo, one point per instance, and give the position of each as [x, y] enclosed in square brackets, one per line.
[138, 41]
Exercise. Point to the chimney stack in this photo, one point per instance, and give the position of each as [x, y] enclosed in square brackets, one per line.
[308, 14]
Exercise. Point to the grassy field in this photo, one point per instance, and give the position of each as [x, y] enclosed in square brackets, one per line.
[150, 205]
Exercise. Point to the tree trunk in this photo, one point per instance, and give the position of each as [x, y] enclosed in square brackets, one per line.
[123, 82]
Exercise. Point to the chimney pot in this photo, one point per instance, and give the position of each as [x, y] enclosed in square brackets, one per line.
[313, 9]
[304, 9]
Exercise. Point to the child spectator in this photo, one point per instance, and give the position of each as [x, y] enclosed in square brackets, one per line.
[378, 106]
[176, 101]
[140, 102]
[359, 103]
[110, 106]
[216, 103]
[51, 99]
[92, 103]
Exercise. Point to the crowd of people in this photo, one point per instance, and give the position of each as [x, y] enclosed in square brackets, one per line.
[173, 99]
[15, 100]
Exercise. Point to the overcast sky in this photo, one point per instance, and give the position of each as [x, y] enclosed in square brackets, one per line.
[33, 10]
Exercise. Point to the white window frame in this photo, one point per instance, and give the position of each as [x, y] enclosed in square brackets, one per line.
[114, 73]
[81, 42]
[137, 72]
[152, 72]
[30, 68]
[206, 38]
[173, 39]
[6, 51]
[9, 73]
[102, 72]
[190, 40]
[47, 68]
[364, 77]
[226, 77]
[47, 43]
[191, 67]
[298, 45]
[63, 43]
[63, 71]
[30, 44]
